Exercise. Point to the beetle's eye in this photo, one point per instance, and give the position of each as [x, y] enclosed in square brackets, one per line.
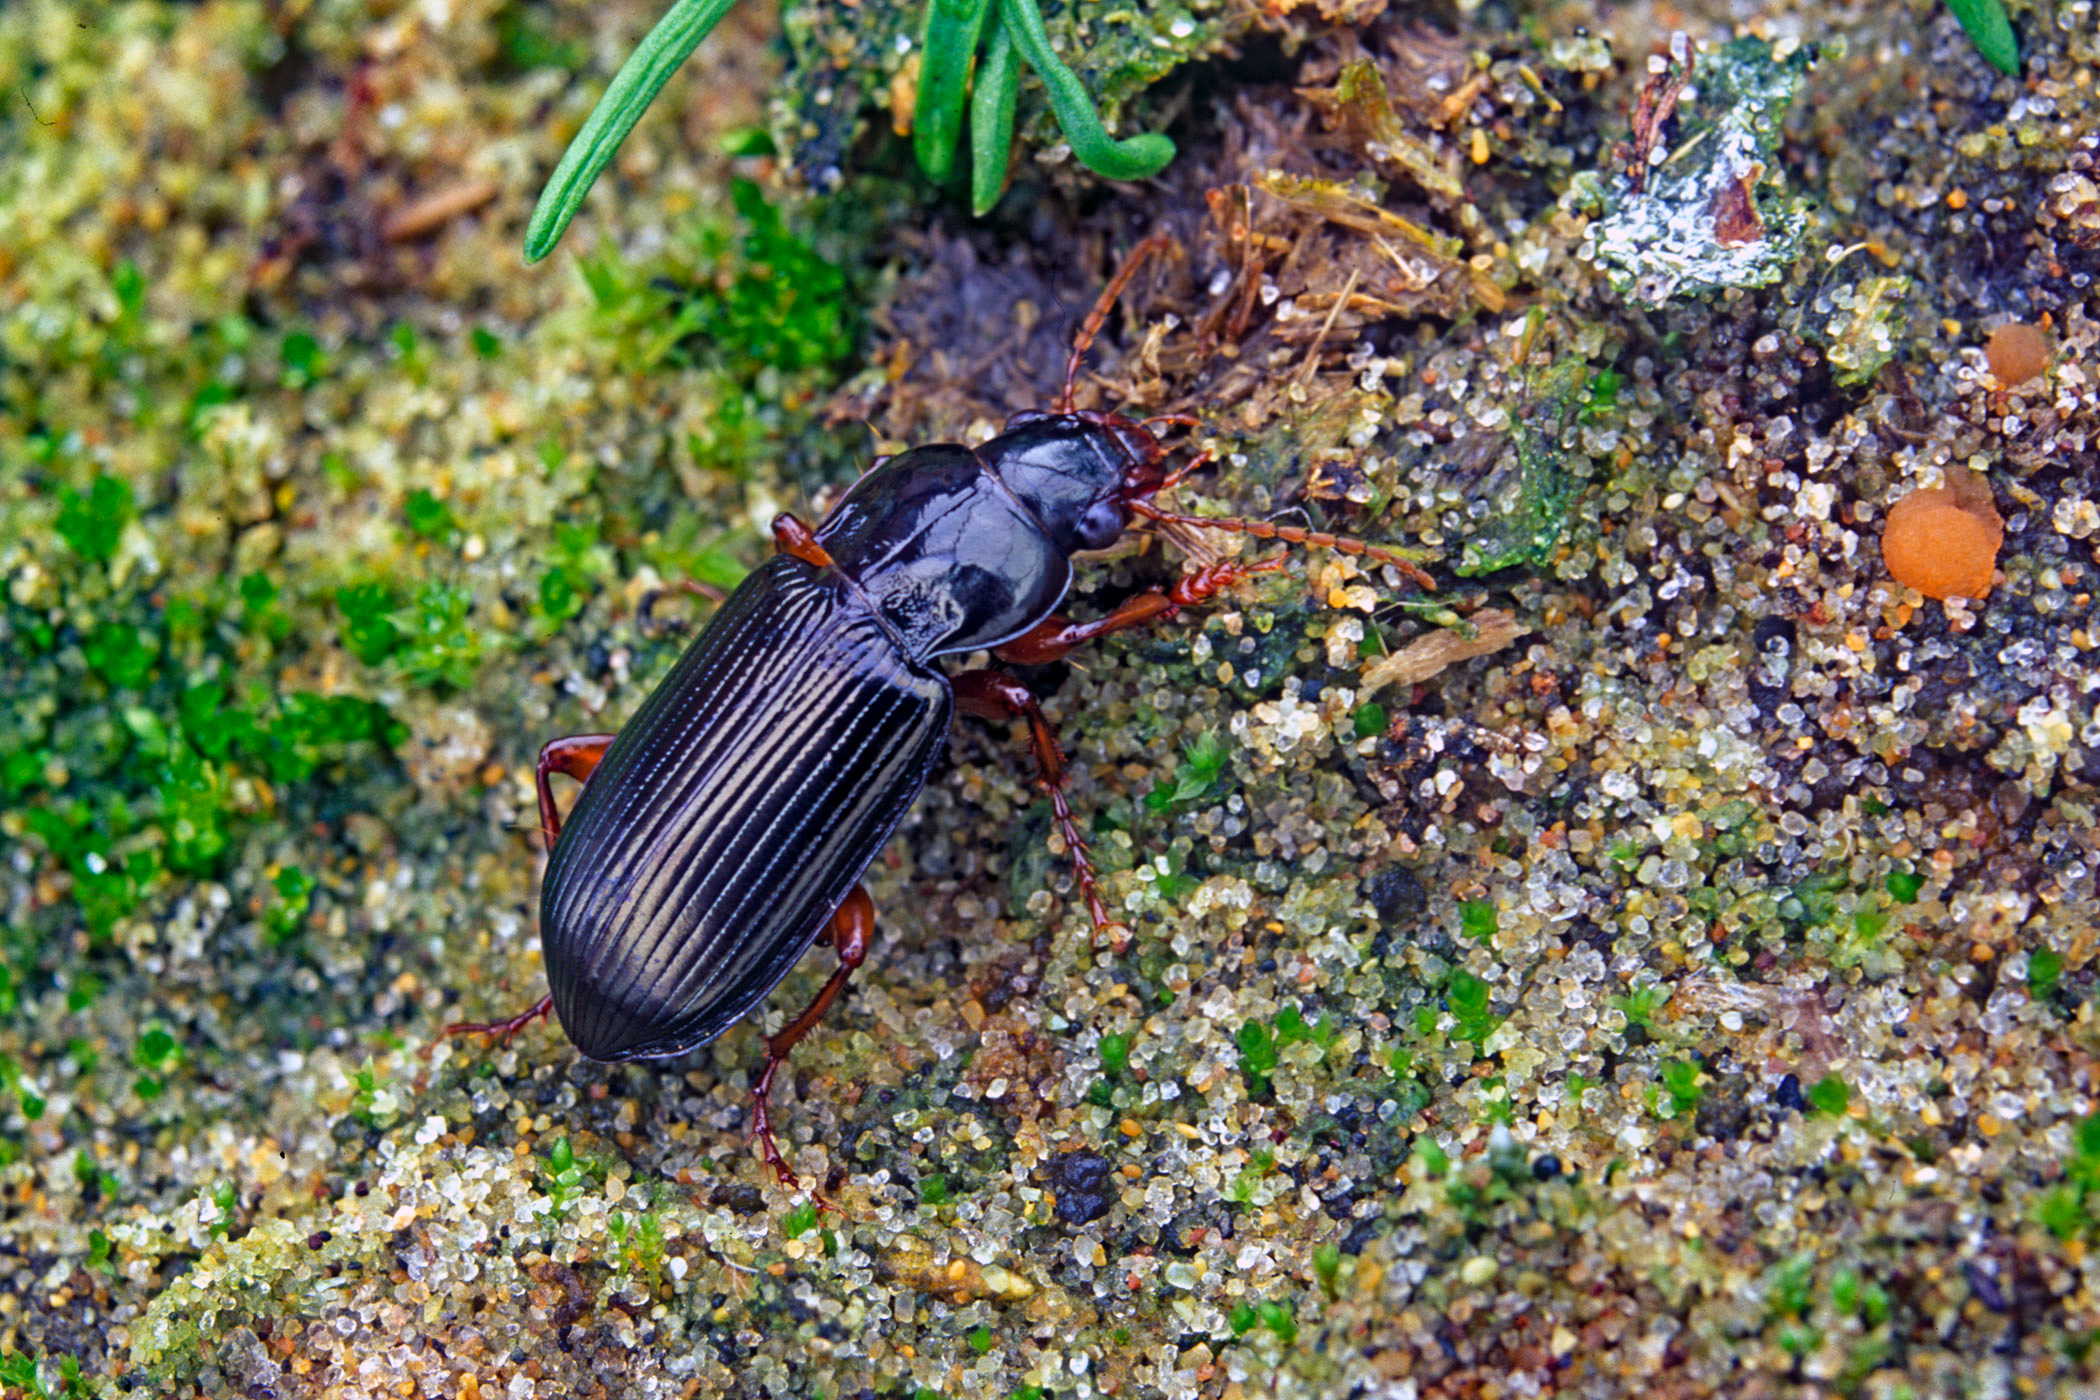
[1102, 525]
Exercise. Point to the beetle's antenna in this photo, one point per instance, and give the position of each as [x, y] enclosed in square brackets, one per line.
[1091, 327]
[1403, 560]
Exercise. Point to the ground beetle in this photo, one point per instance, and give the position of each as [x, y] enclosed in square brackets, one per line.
[727, 827]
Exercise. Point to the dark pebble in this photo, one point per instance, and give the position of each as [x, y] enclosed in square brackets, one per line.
[1081, 1182]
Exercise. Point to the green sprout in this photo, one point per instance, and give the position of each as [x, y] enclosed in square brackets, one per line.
[1206, 757]
[566, 1178]
[1467, 998]
[951, 37]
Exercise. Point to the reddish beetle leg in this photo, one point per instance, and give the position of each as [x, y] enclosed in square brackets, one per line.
[578, 757]
[997, 695]
[851, 931]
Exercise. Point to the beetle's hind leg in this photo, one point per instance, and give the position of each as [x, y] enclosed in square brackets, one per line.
[851, 931]
[997, 695]
[577, 755]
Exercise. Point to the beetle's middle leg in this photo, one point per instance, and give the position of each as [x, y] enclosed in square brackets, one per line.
[577, 756]
[851, 931]
[997, 695]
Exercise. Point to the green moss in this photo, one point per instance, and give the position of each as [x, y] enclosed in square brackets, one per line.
[92, 522]
[366, 627]
[1529, 496]
[1115, 1055]
[1258, 1058]
[1204, 760]
[430, 518]
[2072, 1207]
[1466, 997]
[1830, 1094]
[1477, 920]
[1681, 1082]
[2045, 968]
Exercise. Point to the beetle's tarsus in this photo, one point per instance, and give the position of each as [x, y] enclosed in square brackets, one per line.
[1402, 560]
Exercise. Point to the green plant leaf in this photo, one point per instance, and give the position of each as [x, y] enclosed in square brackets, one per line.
[633, 88]
[948, 42]
[992, 120]
[1134, 157]
[1992, 33]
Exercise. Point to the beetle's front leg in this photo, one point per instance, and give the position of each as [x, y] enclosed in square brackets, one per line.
[997, 695]
[1057, 635]
[851, 931]
[577, 755]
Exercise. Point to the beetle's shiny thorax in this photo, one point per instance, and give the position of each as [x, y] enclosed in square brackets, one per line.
[959, 548]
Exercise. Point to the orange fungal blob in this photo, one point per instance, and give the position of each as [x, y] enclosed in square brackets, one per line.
[2017, 353]
[1944, 541]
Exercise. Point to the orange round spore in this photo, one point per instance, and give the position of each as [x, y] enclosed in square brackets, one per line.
[2017, 353]
[1944, 541]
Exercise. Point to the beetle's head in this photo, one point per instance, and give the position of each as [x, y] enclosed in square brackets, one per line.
[1079, 472]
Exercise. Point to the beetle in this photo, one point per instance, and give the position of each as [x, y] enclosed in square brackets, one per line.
[726, 828]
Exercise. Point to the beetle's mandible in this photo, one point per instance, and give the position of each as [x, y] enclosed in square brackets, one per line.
[726, 828]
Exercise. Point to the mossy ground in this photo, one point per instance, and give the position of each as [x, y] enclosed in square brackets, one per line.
[1693, 996]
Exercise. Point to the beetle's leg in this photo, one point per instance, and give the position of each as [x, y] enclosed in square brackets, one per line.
[1057, 635]
[852, 930]
[504, 1030]
[576, 756]
[791, 536]
[997, 695]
